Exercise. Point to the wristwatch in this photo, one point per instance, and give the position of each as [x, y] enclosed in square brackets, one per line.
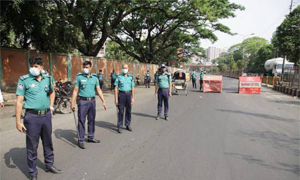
[52, 108]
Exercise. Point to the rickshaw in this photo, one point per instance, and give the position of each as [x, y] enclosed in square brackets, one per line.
[179, 82]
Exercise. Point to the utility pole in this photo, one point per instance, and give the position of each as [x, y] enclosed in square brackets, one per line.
[283, 64]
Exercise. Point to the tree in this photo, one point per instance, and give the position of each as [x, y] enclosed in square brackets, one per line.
[113, 51]
[287, 39]
[157, 33]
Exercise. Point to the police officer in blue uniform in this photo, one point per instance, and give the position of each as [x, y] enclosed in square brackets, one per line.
[163, 89]
[148, 79]
[113, 77]
[101, 79]
[85, 86]
[124, 97]
[37, 92]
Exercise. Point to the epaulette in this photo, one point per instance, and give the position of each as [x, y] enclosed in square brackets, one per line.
[129, 75]
[79, 74]
[24, 77]
[93, 74]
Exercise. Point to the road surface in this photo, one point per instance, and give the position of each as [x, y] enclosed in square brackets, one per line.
[210, 136]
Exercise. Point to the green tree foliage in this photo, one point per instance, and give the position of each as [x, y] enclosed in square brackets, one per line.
[157, 33]
[112, 51]
[287, 37]
[250, 56]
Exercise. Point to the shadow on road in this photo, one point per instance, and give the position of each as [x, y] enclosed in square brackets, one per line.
[107, 125]
[288, 102]
[279, 166]
[68, 136]
[16, 159]
[265, 116]
[143, 115]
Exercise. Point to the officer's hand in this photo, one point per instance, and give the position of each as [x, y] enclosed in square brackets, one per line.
[21, 127]
[116, 102]
[170, 94]
[132, 101]
[104, 106]
[72, 107]
[155, 94]
[1, 105]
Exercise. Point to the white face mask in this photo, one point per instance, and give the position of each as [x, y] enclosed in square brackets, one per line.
[34, 71]
[124, 71]
[86, 70]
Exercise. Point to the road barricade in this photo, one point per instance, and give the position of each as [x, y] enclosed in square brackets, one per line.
[249, 85]
[212, 83]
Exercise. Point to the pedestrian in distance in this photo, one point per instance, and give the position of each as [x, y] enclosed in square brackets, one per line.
[85, 86]
[37, 92]
[1, 100]
[194, 79]
[113, 77]
[101, 78]
[124, 97]
[148, 79]
[163, 89]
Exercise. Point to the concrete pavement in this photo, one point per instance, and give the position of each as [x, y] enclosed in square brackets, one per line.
[211, 136]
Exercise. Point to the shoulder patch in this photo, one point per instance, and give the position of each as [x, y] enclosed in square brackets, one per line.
[24, 77]
[79, 74]
[93, 74]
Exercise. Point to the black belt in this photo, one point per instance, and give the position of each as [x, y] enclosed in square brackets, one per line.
[37, 112]
[86, 99]
[127, 92]
[163, 88]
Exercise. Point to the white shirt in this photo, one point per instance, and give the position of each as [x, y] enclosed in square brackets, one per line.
[1, 97]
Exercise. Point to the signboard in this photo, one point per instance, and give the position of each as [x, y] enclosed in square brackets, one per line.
[212, 83]
[249, 85]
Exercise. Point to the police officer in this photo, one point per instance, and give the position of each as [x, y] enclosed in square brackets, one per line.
[194, 79]
[85, 86]
[113, 77]
[163, 91]
[36, 91]
[148, 79]
[101, 79]
[201, 80]
[1, 100]
[124, 97]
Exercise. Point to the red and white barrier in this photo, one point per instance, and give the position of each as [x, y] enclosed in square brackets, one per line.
[212, 83]
[249, 85]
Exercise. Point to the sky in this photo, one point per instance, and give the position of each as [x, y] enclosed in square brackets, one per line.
[260, 17]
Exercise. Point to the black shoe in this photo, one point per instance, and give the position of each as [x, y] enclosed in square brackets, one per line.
[93, 140]
[157, 118]
[33, 177]
[166, 118]
[119, 130]
[128, 128]
[54, 170]
[81, 145]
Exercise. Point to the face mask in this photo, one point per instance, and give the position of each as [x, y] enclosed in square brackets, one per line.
[34, 71]
[124, 71]
[86, 70]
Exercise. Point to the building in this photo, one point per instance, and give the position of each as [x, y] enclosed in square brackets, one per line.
[213, 53]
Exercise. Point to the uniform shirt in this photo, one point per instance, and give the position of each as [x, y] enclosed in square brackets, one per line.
[100, 77]
[86, 85]
[194, 76]
[147, 75]
[36, 93]
[124, 83]
[163, 80]
[201, 76]
[113, 75]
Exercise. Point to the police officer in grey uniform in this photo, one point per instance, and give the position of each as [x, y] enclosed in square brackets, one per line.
[85, 86]
[36, 91]
[124, 97]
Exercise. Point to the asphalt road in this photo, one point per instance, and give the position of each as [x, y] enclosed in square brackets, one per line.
[210, 136]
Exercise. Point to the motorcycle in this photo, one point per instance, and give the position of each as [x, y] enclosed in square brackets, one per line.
[66, 86]
[138, 81]
[62, 103]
